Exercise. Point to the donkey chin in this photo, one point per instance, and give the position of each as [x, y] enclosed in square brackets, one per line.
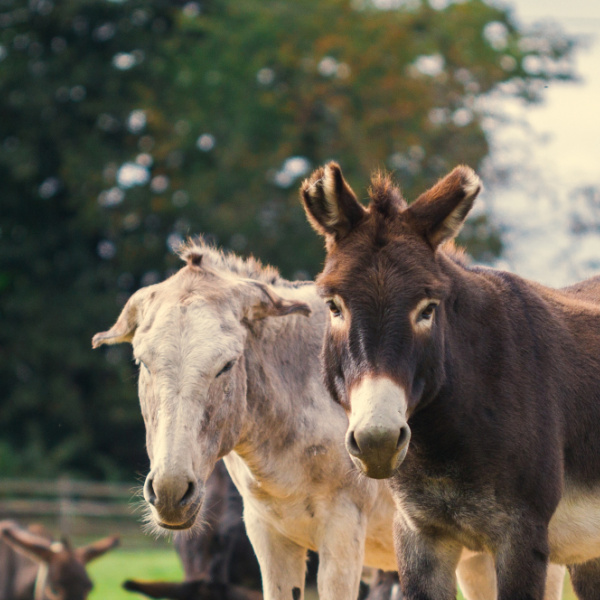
[378, 434]
[176, 524]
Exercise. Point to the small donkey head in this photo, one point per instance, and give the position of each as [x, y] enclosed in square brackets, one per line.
[386, 290]
[188, 335]
[62, 568]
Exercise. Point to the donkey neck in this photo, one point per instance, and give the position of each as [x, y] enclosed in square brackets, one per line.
[531, 346]
[283, 374]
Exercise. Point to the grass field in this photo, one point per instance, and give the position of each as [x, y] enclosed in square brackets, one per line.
[109, 572]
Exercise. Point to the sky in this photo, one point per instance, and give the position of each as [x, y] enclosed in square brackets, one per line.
[557, 147]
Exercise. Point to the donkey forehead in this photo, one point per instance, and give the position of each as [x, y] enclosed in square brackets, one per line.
[403, 267]
[210, 325]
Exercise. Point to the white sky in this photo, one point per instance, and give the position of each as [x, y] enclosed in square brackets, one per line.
[562, 153]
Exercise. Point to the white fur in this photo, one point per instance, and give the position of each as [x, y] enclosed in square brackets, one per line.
[472, 184]
[574, 530]
[378, 405]
[330, 195]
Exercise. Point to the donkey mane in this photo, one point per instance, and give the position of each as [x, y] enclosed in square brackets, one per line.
[386, 197]
[198, 251]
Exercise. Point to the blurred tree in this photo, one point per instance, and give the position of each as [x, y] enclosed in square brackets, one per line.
[128, 125]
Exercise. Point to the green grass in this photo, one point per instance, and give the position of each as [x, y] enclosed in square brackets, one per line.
[109, 572]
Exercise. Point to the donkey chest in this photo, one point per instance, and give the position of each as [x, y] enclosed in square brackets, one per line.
[295, 496]
[446, 505]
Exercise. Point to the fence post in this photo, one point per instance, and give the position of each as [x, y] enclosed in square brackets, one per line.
[65, 506]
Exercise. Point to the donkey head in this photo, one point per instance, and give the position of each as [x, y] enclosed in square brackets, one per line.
[64, 576]
[382, 280]
[188, 335]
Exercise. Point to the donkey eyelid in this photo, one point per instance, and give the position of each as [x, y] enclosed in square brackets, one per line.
[334, 307]
[422, 314]
[227, 367]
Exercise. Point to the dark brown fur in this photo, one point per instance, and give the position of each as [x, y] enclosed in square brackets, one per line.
[503, 391]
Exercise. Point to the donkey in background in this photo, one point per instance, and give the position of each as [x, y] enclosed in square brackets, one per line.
[229, 367]
[475, 391]
[34, 567]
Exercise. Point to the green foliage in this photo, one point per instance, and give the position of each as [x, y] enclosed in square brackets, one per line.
[127, 126]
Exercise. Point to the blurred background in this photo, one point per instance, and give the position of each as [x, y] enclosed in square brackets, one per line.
[126, 126]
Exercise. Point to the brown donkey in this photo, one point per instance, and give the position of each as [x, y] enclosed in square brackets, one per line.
[475, 391]
[34, 567]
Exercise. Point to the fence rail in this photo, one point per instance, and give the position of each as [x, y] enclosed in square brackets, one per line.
[40, 487]
[76, 508]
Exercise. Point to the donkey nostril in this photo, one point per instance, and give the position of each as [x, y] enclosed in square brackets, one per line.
[189, 494]
[149, 492]
[352, 444]
[403, 438]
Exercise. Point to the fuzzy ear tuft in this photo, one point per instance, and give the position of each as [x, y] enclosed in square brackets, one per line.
[264, 302]
[439, 213]
[194, 259]
[330, 204]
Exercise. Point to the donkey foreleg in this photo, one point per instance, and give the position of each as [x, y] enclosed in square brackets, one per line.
[555, 582]
[521, 564]
[426, 564]
[341, 556]
[476, 574]
[282, 562]
[585, 578]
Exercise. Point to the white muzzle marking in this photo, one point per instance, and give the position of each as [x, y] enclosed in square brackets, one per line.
[378, 434]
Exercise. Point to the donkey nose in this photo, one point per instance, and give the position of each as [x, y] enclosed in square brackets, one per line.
[169, 491]
[378, 449]
[366, 441]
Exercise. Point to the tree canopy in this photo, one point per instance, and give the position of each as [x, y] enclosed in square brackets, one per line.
[127, 126]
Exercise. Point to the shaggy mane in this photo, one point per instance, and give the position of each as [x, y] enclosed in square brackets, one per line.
[385, 195]
[198, 251]
[456, 253]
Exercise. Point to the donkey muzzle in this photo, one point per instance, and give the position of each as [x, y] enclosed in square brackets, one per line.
[175, 500]
[378, 435]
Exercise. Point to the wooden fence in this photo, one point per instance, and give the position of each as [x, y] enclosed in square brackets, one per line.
[79, 509]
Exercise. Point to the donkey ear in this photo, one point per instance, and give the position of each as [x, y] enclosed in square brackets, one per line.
[330, 204]
[438, 214]
[124, 328]
[97, 549]
[157, 589]
[28, 544]
[264, 302]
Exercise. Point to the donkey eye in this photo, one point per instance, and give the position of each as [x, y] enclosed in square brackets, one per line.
[427, 312]
[226, 368]
[336, 311]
